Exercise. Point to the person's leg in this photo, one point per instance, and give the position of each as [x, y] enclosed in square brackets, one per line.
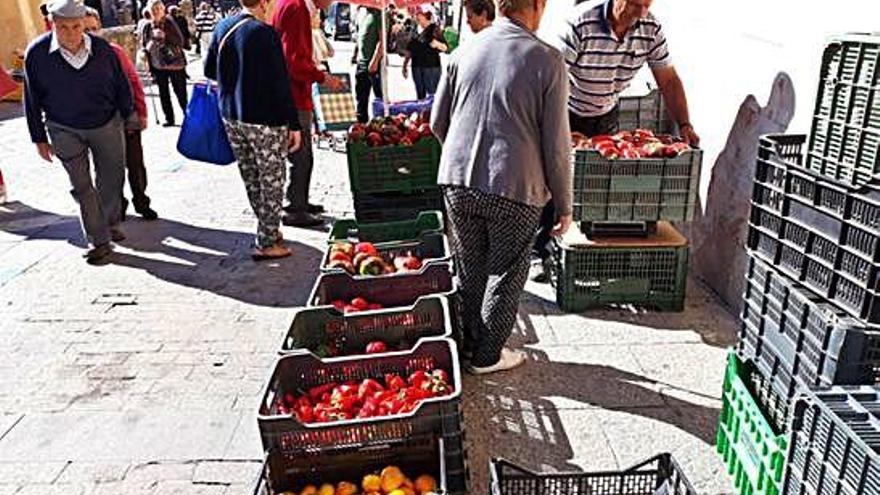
[301, 164]
[271, 157]
[178, 81]
[376, 84]
[162, 81]
[362, 94]
[418, 75]
[469, 241]
[241, 141]
[511, 226]
[137, 172]
[107, 144]
[431, 79]
[73, 152]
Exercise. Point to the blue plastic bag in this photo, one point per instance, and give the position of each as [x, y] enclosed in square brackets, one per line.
[203, 136]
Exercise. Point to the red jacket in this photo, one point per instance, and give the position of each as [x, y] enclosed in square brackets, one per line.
[137, 89]
[293, 22]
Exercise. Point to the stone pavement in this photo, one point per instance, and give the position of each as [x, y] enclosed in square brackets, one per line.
[144, 376]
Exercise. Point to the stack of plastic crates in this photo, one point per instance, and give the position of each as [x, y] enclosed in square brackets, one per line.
[810, 311]
[328, 347]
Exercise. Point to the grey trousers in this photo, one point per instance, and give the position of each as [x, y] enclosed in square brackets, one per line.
[490, 237]
[99, 202]
[301, 163]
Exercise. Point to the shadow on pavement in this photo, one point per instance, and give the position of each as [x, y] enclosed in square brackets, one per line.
[209, 259]
[704, 314]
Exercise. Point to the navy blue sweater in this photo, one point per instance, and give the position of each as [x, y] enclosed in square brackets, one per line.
[83, 99]
[252, 74]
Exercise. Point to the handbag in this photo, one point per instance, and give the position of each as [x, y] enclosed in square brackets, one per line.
[203, 136]
[165, 56]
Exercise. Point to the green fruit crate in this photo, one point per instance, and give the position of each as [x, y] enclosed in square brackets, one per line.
[393, 168]
[351, 230]
[396, 206]
[393, 291]
[754, 453]
[430, 247]
[318, 330]
[648, 271]
[640, 190]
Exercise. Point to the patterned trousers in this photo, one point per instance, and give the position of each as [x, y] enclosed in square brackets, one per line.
[261, 152]
[491, 237]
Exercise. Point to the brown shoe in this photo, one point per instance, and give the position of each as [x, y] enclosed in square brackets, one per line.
[271, 253]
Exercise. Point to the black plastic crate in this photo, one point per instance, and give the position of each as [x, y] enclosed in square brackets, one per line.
[835, 447]
[393, 291]
[296, 373]
[442, 458]
[824, 235]
[819, 343]
[429, 247]
[395, 206]
[659, 475]
[349, 334]
[845, 135]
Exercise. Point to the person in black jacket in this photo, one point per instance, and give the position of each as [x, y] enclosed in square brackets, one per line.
[425, 48]
[246, 59]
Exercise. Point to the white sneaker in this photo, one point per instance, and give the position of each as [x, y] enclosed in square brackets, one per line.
[509, 359]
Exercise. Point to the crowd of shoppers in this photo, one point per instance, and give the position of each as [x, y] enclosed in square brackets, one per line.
[504, 109]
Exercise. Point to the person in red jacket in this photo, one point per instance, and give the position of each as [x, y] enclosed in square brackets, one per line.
[293, 21]
[134, 151]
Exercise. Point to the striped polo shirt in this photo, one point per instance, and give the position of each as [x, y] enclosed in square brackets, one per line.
[601, 66]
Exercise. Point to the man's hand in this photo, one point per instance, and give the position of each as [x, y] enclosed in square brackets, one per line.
[294, 140]
[405, 71]
[46, 152]
[562, 225]
[333, 83]
[374, 67]
[437, 45]
[689, 135]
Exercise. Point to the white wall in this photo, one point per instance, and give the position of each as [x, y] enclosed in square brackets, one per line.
[726, 50]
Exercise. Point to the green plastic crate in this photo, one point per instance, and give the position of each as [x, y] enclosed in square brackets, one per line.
[646, 271]
[349, 229]
[399, 328]
[393, 168]
[754, 453]
[642, 190]
[430, 247]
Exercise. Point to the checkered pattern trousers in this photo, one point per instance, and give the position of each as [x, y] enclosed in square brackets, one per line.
[491, 237]
[261, 152]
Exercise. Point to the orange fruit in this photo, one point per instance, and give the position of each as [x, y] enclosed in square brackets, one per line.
[327, 489]
[309, 490]
[399, 491]
[392, 479]
[425, 484]
[346, 488]
[371, 483]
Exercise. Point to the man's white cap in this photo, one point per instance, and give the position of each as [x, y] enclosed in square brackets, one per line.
[68, 9]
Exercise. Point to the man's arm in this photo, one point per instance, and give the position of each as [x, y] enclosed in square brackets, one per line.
[296, 39]
[137, 89]
[32, 108]
[674, 96]
[442, 109]
[376, 58]
[122, 88]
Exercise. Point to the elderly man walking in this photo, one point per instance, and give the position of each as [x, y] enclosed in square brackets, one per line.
[76, 90]
[605, 43]
[500, 112]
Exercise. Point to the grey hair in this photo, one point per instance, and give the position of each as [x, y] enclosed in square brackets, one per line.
[152, 3]
[513, 6]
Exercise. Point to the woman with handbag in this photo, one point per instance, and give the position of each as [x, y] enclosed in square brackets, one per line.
[424, 50]
[246, 59]
[163, 44]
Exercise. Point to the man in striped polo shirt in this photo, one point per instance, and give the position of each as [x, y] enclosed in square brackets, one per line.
[605, 43]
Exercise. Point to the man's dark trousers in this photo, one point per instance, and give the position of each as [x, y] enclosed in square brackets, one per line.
[588, 126]
[364, 82]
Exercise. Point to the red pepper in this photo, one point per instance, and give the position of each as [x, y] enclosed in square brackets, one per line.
[289, 399]
[368, 388]
[418, 394]
[418, 379]
[325, 398]
[322, 416]
[283, 410]
[346, 403]
[409, 406]
[303, 400]
[317, 392]
[305, 414]
[394, 382]
[441, 375]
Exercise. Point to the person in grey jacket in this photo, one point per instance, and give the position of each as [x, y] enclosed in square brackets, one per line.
[501, 112]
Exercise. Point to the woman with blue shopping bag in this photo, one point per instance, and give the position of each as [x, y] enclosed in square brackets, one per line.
[246, 59]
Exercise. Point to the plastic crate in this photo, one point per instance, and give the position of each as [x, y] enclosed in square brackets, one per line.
[644, 271]
[660, 474]
[820, 344]
[824, 235]
[393, 168]
[396, 206]
[443, 458]
[845, 135]
[289, 437]
[430, 247]
[753, 452]
[647, 189]
[645, 112]
[835, 446]
[404, 107]
[393, 291]
[351, 230]
[313, 328]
